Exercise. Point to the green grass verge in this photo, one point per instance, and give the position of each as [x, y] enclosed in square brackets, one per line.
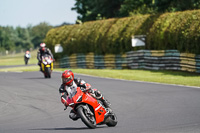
[18, 59]
[20, 69]
[168, 77]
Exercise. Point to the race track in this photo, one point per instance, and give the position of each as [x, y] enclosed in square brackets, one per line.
[31, 104]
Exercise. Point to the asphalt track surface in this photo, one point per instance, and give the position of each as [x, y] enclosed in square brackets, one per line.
[30, 103]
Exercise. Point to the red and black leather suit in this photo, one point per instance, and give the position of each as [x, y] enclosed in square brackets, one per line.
[80, 83]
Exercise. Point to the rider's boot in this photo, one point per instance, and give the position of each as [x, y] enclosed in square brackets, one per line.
[73, 115]
[39, 64]
[100, 97]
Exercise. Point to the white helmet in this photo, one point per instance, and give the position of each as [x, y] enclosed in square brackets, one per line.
[42, 45]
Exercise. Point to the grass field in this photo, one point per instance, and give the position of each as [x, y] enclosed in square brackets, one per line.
[17, 59]
[168, 77]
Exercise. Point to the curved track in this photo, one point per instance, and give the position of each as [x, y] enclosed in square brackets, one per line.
[30, 104]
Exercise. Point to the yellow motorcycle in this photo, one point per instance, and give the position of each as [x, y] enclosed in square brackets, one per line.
[47, 66]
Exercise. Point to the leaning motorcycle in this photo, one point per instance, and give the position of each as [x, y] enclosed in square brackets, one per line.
[91, 111]
[47, 66]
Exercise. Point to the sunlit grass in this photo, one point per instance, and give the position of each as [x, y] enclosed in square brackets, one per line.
[168, 77]
[17, 59]
[20, 69]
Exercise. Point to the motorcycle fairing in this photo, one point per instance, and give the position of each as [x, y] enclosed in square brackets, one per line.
[46, 62]
[89, 100]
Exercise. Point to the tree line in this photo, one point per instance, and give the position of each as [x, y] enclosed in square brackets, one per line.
[22, 38]
[89, 10]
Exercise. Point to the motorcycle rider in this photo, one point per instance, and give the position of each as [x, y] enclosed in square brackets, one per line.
[69, 82]
[42, 51]
[27, 56]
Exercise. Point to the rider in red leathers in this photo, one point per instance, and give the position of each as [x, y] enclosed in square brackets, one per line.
[69, 82]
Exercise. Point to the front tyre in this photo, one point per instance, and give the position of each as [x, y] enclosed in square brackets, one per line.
[47, 72]
[87, 119]
[111, 120]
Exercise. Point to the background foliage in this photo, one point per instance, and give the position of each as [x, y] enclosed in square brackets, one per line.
[117, 21]
[178, 30]
[103, 9]
[22, 38]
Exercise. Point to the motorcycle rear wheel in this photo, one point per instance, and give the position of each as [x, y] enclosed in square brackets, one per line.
[87, 121]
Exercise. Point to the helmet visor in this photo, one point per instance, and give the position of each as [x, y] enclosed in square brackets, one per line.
[65, 80]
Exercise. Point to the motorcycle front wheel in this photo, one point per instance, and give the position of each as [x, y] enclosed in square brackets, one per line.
[112, 120]
[87, 119]
[47, 72]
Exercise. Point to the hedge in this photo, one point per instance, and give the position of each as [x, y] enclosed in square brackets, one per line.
[180, 31]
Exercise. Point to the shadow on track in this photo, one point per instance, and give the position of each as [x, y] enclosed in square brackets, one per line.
[36, 78]
[67, 128]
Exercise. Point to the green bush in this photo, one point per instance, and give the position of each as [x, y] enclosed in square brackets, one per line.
[180, 30]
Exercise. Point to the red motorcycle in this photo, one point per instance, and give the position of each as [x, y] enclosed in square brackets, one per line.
[91, 111]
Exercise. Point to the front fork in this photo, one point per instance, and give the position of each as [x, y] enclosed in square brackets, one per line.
[87, 111]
